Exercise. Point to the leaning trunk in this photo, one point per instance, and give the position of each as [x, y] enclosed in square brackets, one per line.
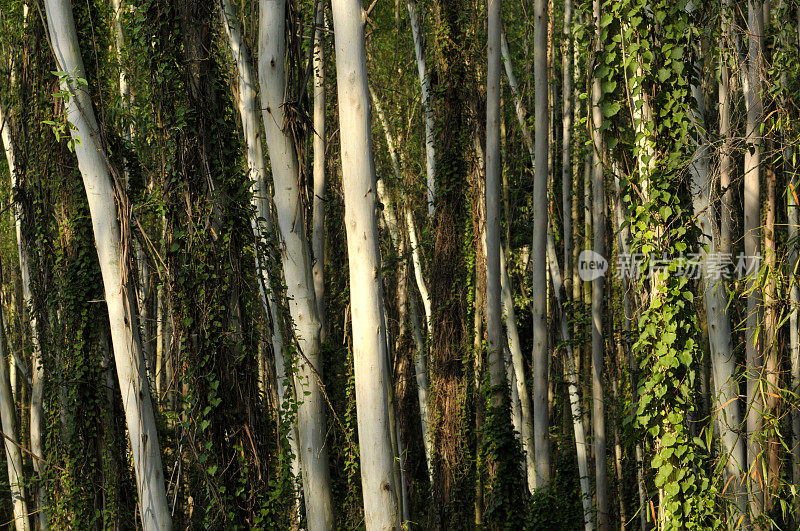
[100, 191]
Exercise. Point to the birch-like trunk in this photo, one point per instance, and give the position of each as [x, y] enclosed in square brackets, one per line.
[541, 421]
[37, 377]
[494, 326]
[599, 224]
[248, 106]
[318, 215]
[427, 107]
[752, 222]
[8, 414]
[296, 266]
[372, 372]
[100, 191]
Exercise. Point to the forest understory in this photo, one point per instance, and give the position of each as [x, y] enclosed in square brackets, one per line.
[422, 264]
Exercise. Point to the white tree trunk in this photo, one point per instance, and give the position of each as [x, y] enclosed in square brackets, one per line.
[427, 107]
[494, 325]
[100, 192]
[247, 103]
[372, 373]
[37, 378]
[599, 224]
[318, 216]
[10, 437]
[296, 266]
[752, 221]
[539, 249]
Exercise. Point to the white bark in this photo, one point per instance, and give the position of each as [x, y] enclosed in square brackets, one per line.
[539, 248]
[37, 378]
[318, 216]
[248, 106]
[494, 326]
[372, 373]
[296, 266]
[8, 414]
[121, 305]
[598, 222]
[752, 222]
[427, 107]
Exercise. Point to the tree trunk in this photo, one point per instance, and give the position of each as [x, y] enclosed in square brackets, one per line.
[100, 190]
[599, 224]
[296, 266]
[11, 439]
[372, 373]
[427, 109]
[539, 250]
[247, 103]
[318, 216]
[752, 222]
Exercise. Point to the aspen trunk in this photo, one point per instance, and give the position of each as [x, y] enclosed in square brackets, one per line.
[7, 408]
[100, 191]
[372, 373]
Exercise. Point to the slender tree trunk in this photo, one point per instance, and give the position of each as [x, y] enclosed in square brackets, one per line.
[318, 216]
[11, 439]
[100, 190]
[494, 325]
[752, 222]
[37, 378]
[369, 333]
[296, 266]
[790, 169]
[566, 145]
[427, 109]
[518, 362]
[599, 224]
[247, 103]
[539, 250]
